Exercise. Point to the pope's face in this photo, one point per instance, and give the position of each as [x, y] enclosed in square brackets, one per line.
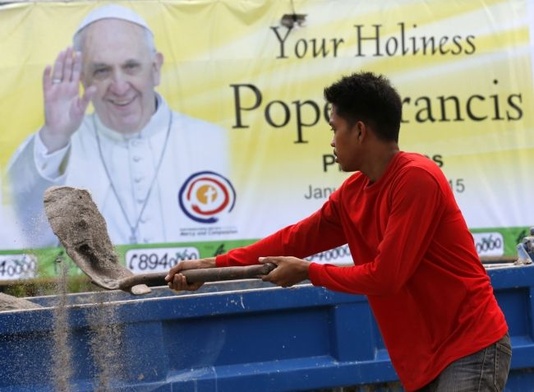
[117, 59]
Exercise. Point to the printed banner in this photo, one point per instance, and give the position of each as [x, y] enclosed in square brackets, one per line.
[244, 79]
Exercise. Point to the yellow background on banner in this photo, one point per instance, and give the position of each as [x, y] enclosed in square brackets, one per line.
[216, 51]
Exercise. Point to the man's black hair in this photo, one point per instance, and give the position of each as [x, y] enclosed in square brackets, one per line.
[370, 98]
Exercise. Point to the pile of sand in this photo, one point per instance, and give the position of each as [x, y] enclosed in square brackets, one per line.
[8, 302]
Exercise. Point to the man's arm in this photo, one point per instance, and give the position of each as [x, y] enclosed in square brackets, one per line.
[320, 231]
[64, 107]
[37, 163]
[405, 241]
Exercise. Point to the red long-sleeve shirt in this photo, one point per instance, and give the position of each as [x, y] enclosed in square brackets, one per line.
[414, 259]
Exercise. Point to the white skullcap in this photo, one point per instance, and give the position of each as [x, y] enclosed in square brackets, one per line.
[112, 11]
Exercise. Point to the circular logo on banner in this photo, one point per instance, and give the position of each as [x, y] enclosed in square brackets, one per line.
[205, 196]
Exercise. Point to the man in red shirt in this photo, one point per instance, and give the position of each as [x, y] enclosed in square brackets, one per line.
[414, 257]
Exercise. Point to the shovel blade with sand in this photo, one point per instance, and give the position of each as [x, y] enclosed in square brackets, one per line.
[82, 230]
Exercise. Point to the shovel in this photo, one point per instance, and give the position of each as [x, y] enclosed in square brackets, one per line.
[82, 231]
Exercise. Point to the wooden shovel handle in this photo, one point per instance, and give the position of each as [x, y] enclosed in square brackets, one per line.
[201, 275]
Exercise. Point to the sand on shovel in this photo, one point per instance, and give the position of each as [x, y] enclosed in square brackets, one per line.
[82, 230]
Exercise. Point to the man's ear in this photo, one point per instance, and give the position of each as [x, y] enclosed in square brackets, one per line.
[156, 68]
[361, 130]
